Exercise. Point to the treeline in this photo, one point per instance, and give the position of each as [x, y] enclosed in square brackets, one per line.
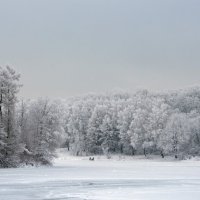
[141, 123]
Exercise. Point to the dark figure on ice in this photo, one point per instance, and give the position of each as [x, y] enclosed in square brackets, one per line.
[91, 158]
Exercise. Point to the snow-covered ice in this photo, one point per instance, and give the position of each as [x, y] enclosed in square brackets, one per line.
[77, 178]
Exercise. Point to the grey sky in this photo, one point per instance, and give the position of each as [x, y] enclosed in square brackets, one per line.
[71, 47]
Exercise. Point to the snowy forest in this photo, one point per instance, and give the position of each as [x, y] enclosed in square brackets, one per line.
[139, 123]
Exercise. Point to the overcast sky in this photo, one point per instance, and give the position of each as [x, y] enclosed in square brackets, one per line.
[71, 47]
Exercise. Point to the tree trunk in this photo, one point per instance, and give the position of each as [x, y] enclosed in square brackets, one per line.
[162, 154]
[1, 101]
[145, 152]
[8, 123]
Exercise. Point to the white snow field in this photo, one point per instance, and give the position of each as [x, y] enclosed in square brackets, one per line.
[77, 178]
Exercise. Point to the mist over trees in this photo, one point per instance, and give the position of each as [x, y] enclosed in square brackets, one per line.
[140, 123]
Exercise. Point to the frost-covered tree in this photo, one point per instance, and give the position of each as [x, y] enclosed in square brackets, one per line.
[140, 128]
[195, 135]
[94, 133]
[9, 88]
[110, 136]
[124, 122]
[44, 126]
[176, 134]
[77, 127]
[22, 121]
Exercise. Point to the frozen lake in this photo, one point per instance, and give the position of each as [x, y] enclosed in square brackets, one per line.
[80, 179]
